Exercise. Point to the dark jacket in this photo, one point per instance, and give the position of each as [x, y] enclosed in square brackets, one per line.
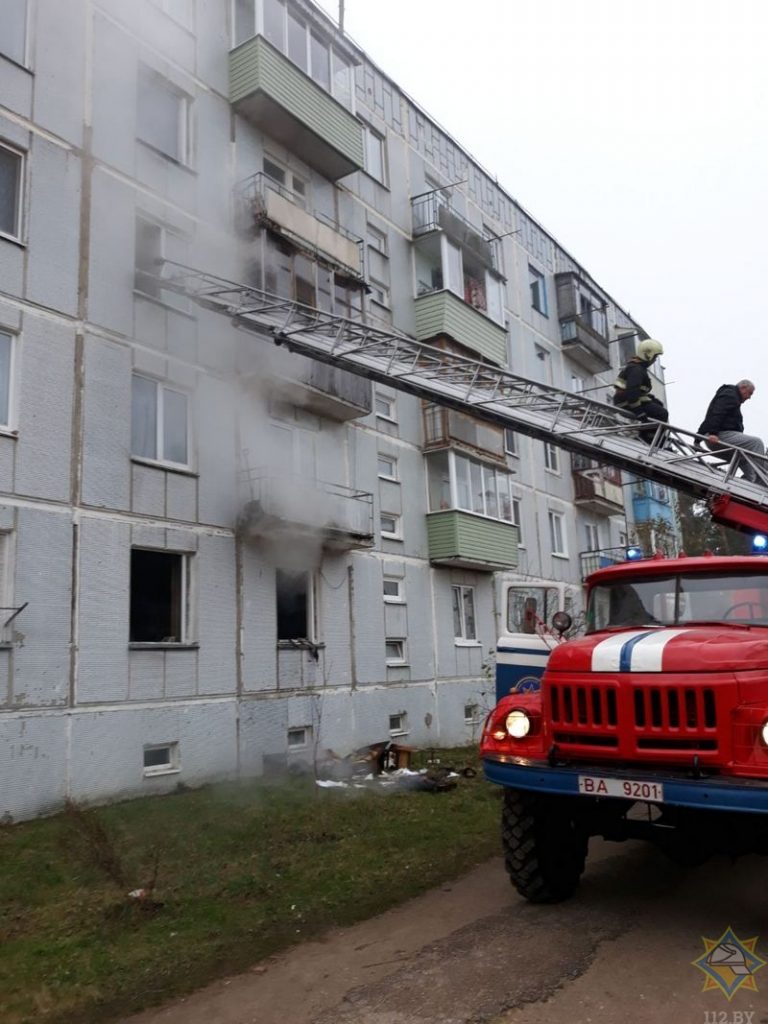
[633, 385]
[724, 412]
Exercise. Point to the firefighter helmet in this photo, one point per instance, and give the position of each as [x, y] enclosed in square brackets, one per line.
[649, 349]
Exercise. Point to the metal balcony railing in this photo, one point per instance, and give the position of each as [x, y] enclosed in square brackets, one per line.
[592, 560]
[431, 212]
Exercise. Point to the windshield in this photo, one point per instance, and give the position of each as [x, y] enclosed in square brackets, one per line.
[674, 600]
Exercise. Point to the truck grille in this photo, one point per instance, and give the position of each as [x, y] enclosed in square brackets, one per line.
[638, 718]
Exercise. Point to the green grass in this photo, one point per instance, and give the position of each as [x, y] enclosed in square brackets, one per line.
[242, 872]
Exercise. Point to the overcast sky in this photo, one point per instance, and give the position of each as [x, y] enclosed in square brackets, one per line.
[634, 131]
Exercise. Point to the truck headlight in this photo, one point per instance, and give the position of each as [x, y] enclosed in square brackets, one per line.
[519, 724]
[764, 733]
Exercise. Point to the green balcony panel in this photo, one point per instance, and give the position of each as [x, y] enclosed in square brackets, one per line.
[276, 96]
[471, 542]
[445, 313]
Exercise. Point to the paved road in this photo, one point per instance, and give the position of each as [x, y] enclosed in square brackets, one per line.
[474, 952]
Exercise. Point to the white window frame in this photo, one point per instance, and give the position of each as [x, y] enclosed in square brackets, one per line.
[517, 516]
[397, 598]
[402, 657]
[297, 197]
[391, 402]
[7, 607]
[172, 765]
[401, 729]
[370, 135]
[161, 387]
[551, 458]
[538, 287]
[185, 601]
[475, 714]
[184, 119]
[391, 461]
[462, 640]
[593, 541]
[11, 427]
[172, 300]
[24, 60]
[510, 447]
[556, 522]
[306, 737]
[16, 234]
[577, 384]
[397, 534]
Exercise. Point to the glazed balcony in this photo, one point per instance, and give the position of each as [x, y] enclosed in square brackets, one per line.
[599, 490]
[467, 541]
[278, 98]
[288, 509]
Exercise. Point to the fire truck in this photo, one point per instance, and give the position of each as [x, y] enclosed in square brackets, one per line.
[652, 725]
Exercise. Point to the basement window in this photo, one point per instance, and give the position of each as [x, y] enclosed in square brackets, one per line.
[398, 724]
[299, 738]
[294, 606]
[161, 759]
[159, 596]
[471, 714]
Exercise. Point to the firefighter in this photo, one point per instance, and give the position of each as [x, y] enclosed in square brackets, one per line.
[633, 392]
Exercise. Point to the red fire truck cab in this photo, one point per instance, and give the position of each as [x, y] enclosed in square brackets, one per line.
[652, 725]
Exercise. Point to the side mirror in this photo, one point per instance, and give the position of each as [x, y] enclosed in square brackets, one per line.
[561, 621]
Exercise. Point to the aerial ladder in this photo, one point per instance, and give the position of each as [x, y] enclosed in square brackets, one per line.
[674, 457]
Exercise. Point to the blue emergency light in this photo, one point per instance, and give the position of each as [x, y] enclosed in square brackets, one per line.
[633, 554]
[760, 544]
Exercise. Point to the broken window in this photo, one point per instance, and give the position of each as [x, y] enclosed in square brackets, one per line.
[158, 596]
[159, 422]
[294, 605]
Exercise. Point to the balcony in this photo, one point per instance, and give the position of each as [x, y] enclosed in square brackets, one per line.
[468, 541]
[599, 490]
[279, 99]
[314, 386]
[591, 561]
[431, 212]
[583, 323]
[447, 428]
[263, 202]
[288, 509]
[441, 313]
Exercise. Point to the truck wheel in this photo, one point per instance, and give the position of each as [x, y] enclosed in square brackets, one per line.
[544, 848]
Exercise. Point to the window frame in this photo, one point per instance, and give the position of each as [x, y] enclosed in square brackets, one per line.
[392, 460]
[311, 611]
[389, 417]
[397, 534]
[402, 658]
[23, 61]
[171, 767]
[462, 640]
[185, 602]
[370, 134]
[537, 283]
[552, 458]
[402, 727]
[516, 503]
[511, 448]
[556, 521]
[17, 235]
[11, 427]
[306, 741]
[168, 299]
[399, 597]
[161, 386]
[150, 76]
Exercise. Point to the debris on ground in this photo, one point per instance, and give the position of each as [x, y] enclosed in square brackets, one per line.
[387, 764]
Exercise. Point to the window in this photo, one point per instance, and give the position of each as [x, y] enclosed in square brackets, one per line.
[293, 186]
[556, 533]
[294, 605]
[398, 724]
[393, 590]
[464, 613]
[394, 650]
[162, 119]
[577, 384]
[159, 597]
[378, 265]
[375, 154]
[294, 450]
[161, 759]
[389, 524]
[510, 442]
[281, 269]
[11, 184]
[13, 29]
[457, 481]
[471, 714]
[6, 373]
[385, 407]
[592, 531]
[551, 457]
[154, 243]
[300, 737]
[387, 467]
[159, 422]
[517, 520]
[538, 290]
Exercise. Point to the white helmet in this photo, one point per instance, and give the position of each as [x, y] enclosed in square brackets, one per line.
[649, 349]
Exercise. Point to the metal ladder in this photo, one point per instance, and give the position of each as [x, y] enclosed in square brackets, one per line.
[675, 457]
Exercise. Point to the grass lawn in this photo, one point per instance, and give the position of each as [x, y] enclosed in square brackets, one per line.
[242, 871]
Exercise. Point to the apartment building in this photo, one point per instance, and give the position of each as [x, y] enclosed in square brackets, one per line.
[218, 558]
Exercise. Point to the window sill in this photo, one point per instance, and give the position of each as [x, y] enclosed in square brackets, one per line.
[394, 600]
[391, 479]
[167, 156]
[169, 467]
[139, 294]
[13, 240]
[17, 63]
[7, 432]
[560, 554]
[397, 664]
[146, 645]
[299, 645]
[392, 536]
[399, 733]
[150, 773]
[458, 642]
[386, 419]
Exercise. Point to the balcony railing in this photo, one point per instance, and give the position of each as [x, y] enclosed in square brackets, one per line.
[261, 200]
[430, 212]
[591, 561]
[598, 490]
[282, 508]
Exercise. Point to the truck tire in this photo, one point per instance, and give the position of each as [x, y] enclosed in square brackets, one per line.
[544, 847]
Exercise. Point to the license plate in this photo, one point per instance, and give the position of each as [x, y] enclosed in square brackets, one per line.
[630, 789]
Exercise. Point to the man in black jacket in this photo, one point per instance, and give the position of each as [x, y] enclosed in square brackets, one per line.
[633, 392]
[724, 424]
